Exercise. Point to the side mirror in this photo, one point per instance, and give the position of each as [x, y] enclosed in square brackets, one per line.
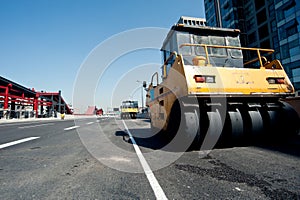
[144, 84]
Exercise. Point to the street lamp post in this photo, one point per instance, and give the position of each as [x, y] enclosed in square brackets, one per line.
[142, 96]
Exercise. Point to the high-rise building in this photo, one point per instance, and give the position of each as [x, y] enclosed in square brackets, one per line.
[263, 23]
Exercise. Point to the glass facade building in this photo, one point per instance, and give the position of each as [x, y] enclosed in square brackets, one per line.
[264, 23]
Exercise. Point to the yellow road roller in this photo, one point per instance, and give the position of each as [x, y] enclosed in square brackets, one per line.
[129, 109]
[211, 89]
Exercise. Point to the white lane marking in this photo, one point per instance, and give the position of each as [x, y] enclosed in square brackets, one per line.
[70, 128]
[31, 126]
[238, 189]
[158, 191]
[17, 142]
[17, 123]
[89, 123]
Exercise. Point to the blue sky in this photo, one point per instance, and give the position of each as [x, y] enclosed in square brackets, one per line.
[44, 43]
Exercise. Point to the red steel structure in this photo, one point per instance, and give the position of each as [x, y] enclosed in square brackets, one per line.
[13, 94]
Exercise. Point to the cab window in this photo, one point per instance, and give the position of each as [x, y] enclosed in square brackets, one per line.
[235, 42]
[220, 41]
[184, 38]
[199, 50]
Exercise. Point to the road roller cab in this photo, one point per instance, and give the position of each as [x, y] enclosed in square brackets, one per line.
[210, 84]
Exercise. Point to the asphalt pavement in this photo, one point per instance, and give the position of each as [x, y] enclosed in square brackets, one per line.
[107, 158]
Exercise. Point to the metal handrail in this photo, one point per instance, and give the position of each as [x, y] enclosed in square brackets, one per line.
[156, 73]
[164, 66]
[258, 50]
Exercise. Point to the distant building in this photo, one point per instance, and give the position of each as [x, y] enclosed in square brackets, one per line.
[263, 23]
[91, 110]
[99, 111]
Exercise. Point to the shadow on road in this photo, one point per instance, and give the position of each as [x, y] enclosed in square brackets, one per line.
[290, 146]
[145, 138]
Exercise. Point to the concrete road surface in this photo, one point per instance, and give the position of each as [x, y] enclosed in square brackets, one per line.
[96, 159]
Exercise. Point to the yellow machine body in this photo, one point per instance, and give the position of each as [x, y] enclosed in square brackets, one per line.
[129, 110]
[202, 63]
[228, 82]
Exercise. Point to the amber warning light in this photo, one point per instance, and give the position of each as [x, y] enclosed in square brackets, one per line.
[275, 80]
[204, 79]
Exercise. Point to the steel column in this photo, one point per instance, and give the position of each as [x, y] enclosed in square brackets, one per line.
[6, 96]
[36, 105]
[52, 106]
[59, 101]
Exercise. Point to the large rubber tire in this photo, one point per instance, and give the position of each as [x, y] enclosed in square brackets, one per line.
[194, 125]
[191, 123]
[214, 131]
[173, 121]
[236, 124]
[257, 123]
[184, 129]
[291, 119]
